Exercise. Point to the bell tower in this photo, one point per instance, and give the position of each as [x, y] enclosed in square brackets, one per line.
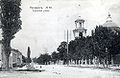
[79, 30]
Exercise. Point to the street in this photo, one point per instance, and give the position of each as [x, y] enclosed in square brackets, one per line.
[60, 71]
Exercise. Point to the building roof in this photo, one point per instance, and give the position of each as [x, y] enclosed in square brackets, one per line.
[80, 20]
[16, 51]
[109, 22]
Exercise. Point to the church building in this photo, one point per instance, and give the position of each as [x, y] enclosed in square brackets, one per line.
[115, 28]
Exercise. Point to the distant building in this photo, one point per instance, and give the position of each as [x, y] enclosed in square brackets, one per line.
[115, 28]
[15, 58]
[110, 24]
[79, 30]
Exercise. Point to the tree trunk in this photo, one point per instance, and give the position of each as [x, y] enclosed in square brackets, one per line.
[77, 61]
[112, 62]
[103, 62]
[6, 54]
[5, 65]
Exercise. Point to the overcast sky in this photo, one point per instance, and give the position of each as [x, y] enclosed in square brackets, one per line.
[43, 31]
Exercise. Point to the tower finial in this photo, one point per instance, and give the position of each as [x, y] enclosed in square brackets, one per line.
[109, 15]
[79, 17]
[109, 19]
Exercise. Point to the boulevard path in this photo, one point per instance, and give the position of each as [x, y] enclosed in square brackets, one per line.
[60, 71]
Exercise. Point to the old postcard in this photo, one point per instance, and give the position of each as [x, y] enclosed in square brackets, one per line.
[59, 39]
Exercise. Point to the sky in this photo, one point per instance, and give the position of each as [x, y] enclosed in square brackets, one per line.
[44, 31]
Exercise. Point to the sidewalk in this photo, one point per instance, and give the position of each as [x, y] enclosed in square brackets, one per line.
[112, 68]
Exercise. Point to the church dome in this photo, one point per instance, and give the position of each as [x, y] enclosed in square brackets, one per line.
[109, 22]
[80, 20]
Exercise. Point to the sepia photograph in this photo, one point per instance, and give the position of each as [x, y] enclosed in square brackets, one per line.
[59, 38]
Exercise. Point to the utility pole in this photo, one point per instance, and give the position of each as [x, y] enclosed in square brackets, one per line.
[67, 37]
[67, 48]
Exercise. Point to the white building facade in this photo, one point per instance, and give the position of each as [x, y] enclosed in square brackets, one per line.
[15, 58]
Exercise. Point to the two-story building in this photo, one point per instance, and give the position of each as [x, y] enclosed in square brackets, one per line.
[15, 58]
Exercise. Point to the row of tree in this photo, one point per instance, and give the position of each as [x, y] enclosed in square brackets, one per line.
[103, 44]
